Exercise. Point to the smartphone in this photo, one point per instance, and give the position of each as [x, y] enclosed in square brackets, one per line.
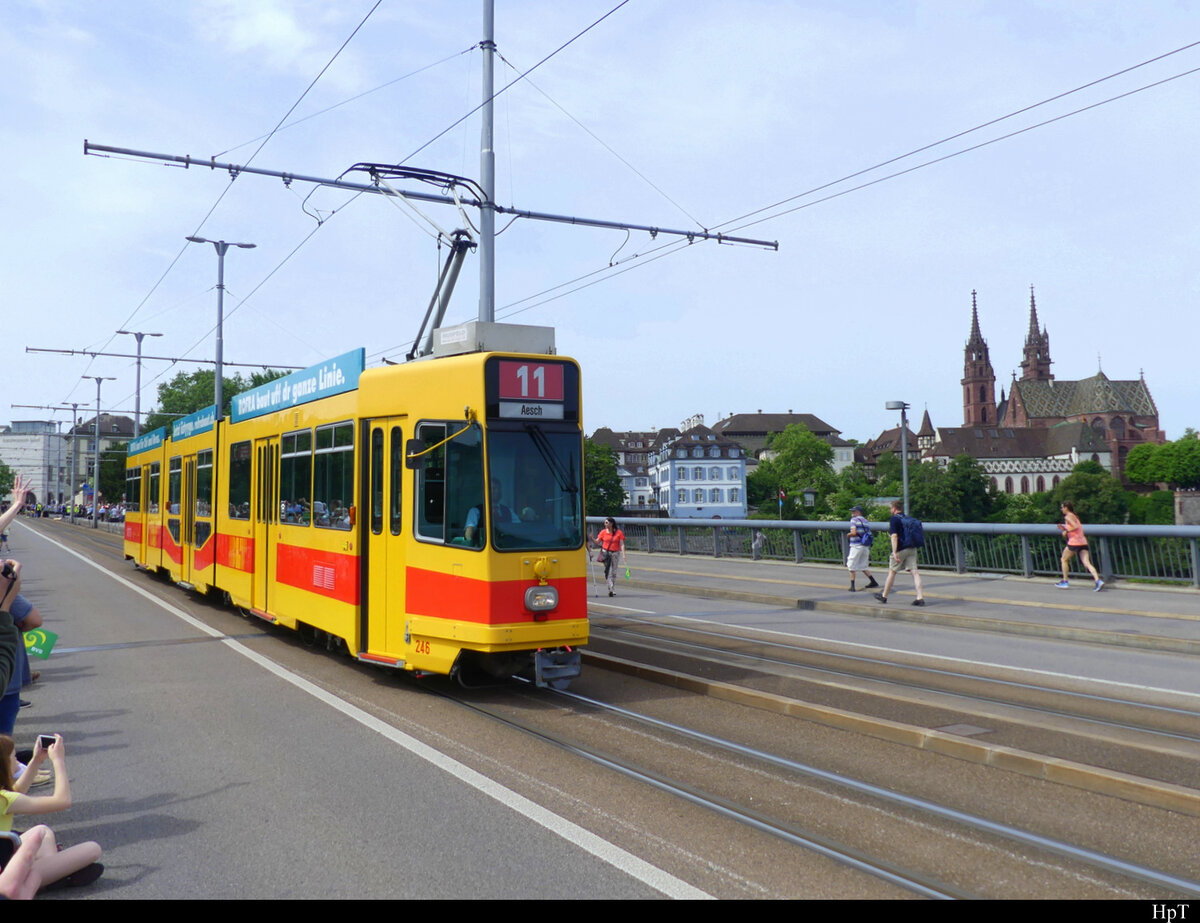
[46, 740]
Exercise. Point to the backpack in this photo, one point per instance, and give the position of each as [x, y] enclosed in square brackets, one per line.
[865, 535]
[912, 533]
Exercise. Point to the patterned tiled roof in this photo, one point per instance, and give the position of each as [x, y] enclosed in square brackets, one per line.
[1098, 394]
[1017, 442]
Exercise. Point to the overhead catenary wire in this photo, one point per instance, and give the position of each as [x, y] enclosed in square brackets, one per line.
[226, 189]
[959, 153]
[642, 176]
[968, 131]
[672, 246]
[513, 82]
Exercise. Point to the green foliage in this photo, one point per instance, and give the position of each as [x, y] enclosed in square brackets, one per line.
[800, 461]
[603, 494]
[1176, 464]
[7, 478]
[1096, 497]
[1087, 466]
[1154, 509]
[1142, 464]
[968, 484]
[888, 475]
[112, 472]
[188, 392]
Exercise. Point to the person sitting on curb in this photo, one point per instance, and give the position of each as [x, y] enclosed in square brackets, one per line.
[74, 866]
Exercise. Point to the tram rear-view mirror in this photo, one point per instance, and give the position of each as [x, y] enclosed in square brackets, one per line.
[413, 457]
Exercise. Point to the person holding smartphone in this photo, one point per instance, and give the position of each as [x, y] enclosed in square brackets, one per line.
[74, 866]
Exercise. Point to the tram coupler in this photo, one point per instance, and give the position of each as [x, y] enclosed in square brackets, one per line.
[556, 668]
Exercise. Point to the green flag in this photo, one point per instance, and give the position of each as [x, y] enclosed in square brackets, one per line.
[39, 642]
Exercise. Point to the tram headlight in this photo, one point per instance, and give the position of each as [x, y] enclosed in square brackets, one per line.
[541, 599]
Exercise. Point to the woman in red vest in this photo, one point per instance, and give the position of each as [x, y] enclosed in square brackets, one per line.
[612, 551]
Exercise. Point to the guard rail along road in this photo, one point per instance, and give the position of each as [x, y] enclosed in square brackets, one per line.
[1157, 554]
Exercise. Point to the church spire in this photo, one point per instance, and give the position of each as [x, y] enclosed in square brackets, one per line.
[979, 380]
[1035, 366]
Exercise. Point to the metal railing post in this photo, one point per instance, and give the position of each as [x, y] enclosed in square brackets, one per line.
[682, 540]
[1026, 557]
[1194, 549]
[960, 564]
[649, 539]
[1105, 563]
[716, 541]
[799, 546]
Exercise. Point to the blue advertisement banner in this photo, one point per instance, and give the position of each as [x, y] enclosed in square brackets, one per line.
[333, 376]
[195, 423]
[147, 441]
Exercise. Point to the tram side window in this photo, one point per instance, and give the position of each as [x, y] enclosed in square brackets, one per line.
[152, 498]
[376, 481]
[204, 483]
[239, 480]
[174, 483]
[295, 475]
[450, 485]
[397, 478]
[133, 489]
[333, 476]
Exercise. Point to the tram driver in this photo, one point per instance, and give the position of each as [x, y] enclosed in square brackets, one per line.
[473, 531]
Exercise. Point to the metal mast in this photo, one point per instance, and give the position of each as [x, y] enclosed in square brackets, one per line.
[487, 173]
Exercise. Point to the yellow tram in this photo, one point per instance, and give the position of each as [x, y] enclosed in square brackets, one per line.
[427, 516]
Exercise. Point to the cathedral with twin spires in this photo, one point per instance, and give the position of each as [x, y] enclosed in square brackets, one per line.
[1118, 414]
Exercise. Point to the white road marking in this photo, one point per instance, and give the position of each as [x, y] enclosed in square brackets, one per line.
[625, 861]
[949, 661]
[622, 608]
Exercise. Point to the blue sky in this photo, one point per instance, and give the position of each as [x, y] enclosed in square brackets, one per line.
[725, 108]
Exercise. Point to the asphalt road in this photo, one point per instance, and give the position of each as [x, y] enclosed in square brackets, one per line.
[206, 770]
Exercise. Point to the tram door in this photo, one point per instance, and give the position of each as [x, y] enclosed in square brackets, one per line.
[382, 628]
[266, 519]
[187, 510]
[147, 523]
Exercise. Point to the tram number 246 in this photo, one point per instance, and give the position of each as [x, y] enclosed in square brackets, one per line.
[421, 647]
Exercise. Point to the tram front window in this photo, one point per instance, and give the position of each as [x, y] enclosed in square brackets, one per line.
[536, 479]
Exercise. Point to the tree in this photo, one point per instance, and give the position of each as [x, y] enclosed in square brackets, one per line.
[7, 478]
[799, 461]
[112, 472]
[188, 392]
[968, 484]
[1095, 495]
[1176, 464]
[603, 494]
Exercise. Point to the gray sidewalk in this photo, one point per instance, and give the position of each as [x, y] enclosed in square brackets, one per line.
[1124, 614]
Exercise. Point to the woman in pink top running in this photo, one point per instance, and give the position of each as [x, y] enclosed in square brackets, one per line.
[1072, 530]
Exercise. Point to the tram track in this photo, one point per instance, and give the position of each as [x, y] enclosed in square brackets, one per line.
[1002, 709]
[927, 848]
[942, 854]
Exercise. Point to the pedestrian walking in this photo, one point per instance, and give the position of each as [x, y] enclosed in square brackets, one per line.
[1072, 530]
[861, 540]
[907, 535]
[612, 552]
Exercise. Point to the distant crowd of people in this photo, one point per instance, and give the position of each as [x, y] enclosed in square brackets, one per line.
[34, 860]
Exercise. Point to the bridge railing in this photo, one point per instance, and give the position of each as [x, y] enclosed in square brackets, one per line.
[1156, 553]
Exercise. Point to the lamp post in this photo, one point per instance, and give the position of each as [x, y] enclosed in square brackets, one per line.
[903, 408]
[220, 246]
[137, 395]
[96, 463]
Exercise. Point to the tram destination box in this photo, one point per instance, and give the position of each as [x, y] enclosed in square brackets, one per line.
[482, 337]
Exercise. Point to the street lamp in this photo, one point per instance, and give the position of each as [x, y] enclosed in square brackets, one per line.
[137, 396]
[903, 408]
[220, 246]
[96, 463]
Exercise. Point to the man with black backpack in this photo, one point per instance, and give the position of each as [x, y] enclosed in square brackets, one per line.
[907, 535]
